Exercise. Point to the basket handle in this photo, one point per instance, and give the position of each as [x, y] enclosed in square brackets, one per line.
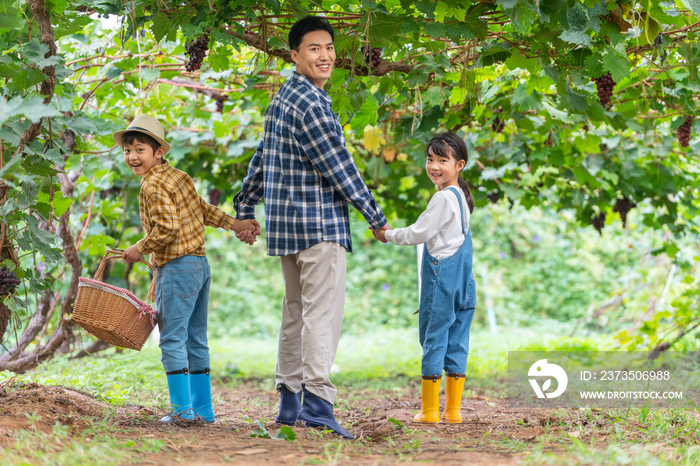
[117, 254]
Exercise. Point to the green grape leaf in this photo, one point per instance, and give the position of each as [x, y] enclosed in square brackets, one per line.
[618, 65]
[367, 115]
[28, 78]
[694, 5]
[149, 75]
[576, 37]
[10, 20]
[441, 11]
[34, 109]
[160, 26]
[384, 26]
[298, 10]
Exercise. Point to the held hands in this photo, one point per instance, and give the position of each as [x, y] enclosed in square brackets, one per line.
[131, 254]
[380, 233]
[247, 230]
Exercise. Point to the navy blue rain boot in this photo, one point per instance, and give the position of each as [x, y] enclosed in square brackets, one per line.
[290, 405]
[180, 401]
[317, 412]
[200, 388]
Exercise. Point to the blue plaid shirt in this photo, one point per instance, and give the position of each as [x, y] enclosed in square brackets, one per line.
[305, 173]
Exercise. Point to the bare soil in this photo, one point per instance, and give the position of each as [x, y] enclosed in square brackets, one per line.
[491, 434]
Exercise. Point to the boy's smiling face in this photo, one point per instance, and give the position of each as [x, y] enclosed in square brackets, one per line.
[140, 158]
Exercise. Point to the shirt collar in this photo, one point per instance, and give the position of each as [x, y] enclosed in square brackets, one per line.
[153, 171]
[303, 80]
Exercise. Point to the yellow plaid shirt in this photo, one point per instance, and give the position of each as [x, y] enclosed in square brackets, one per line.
[174, 215]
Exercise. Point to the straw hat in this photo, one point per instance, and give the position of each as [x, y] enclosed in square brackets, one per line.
[147, 125]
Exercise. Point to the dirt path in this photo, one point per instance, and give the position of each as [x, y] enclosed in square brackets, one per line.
[491, 434]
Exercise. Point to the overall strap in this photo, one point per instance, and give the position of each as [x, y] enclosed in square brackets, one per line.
[461, 209]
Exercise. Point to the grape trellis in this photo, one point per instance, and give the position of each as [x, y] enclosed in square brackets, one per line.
[588, 106]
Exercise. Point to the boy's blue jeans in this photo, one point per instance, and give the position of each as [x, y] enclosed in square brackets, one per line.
[182, 301]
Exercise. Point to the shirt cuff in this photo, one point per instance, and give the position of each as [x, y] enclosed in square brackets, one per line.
[245, 214]
[389, 235]
[141, 247]
[377, 223]
[228, 222]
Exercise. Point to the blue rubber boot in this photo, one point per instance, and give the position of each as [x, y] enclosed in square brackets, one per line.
[180, 401]
[200, 388]
[317, 412]
[290, 405]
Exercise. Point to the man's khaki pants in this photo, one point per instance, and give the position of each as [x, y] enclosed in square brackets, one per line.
[312, 317]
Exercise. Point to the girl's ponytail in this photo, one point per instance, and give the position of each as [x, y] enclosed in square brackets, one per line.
[451, 145]
[467, 193]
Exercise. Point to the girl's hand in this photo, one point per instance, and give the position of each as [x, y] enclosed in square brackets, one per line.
[380, 233]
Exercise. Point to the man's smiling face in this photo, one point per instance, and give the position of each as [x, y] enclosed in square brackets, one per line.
[315, 57]
[140, 157]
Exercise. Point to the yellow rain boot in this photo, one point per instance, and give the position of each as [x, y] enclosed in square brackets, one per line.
[453, 398]
[429, 400]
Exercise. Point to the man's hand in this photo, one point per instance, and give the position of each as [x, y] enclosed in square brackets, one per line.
[380, 233]
[247, 230]
[131, 254]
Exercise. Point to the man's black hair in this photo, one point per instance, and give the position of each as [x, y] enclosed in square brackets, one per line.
[305, 26]
[130, 136]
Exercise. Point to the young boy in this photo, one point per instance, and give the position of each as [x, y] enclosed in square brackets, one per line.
[173, 216]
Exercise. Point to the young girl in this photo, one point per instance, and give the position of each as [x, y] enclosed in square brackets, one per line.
[448, 289]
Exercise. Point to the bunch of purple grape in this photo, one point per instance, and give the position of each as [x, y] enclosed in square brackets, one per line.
[498, 125]
[196, 51]
[372, 56]
[215, 196]
[684, 131]
[623, 206]
[598, 222]
[8, 281]
[604, 86]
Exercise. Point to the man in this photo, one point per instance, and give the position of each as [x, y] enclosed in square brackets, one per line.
[307, 177]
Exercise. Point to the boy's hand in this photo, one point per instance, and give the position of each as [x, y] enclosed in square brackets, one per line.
[247, 230]
[246, 236]
[131, 254]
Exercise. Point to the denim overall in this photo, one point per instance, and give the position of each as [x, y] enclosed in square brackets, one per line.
[447, 302]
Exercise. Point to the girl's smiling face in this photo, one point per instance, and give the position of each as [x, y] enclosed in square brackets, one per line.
[443, 170]
[140, 158]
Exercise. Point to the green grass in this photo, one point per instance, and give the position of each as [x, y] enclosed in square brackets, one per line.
[386, 359]
[96, 445]
[580, 454]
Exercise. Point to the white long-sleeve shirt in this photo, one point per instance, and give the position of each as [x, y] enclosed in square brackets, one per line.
[439, 227]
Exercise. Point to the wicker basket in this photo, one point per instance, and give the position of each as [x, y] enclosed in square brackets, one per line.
[114, 314]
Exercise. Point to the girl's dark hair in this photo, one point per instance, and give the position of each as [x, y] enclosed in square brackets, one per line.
[452, 146]
[305, 26]
[130, 136]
